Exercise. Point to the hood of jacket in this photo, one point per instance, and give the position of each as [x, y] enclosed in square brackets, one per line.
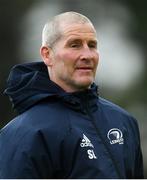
[29, 83]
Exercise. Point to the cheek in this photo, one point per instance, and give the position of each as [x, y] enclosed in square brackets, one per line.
[68, 59]
[97, 59]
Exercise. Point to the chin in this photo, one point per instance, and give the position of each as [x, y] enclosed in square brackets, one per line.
[84, 84]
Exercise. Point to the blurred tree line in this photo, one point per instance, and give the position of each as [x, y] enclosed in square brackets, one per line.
[11, 13]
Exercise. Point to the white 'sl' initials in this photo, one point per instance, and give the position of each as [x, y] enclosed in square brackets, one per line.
[91, 154]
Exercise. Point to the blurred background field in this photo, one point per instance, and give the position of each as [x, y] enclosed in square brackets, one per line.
[122, 42]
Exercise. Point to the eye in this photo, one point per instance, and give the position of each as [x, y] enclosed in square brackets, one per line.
[92, 45]
[75, 45]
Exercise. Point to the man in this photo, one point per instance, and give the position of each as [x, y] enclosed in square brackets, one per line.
[64, 129]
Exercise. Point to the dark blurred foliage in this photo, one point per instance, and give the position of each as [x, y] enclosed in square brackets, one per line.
[11, 15]
[140, 34]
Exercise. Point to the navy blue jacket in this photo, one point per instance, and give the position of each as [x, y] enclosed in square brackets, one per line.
[65, 135]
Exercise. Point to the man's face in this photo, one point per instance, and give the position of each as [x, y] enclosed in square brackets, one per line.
[74, 58]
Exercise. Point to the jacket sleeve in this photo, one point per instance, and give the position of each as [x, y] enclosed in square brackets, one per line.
[138, 167]
[28, 159]
[139, 171]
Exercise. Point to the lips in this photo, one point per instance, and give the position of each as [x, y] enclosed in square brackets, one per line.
[84, 68]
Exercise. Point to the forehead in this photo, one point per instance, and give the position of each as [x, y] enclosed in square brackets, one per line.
[78, 30]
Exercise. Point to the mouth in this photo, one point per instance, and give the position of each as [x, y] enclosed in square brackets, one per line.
[84, 68]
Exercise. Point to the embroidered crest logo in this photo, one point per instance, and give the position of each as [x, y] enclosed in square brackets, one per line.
[115, 136]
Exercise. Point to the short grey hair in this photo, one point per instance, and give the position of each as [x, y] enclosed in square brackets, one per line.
[52, 30]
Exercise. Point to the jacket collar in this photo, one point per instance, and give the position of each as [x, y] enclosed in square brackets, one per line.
[29, 83]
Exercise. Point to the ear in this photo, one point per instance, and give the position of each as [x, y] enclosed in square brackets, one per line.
[45, 53]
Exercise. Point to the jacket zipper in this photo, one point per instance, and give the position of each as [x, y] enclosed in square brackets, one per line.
[87, 108]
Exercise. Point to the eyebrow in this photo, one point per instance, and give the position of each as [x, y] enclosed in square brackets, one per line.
[78, 40]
